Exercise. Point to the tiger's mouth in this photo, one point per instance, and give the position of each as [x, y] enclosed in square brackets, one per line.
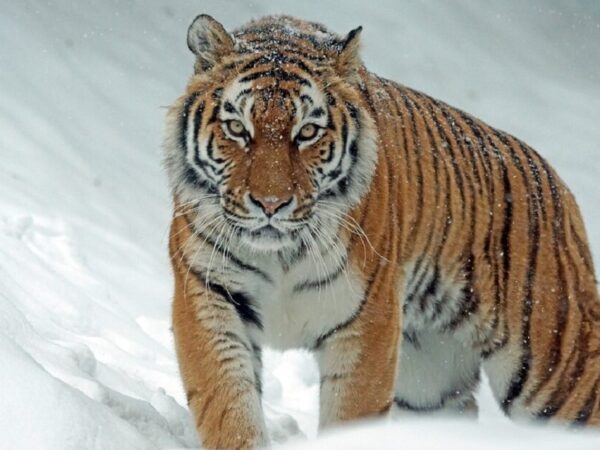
[274, 235]
[269, 238]
[267, 231]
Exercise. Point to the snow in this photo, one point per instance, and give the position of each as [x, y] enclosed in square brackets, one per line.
[86, 354]
[435, 434]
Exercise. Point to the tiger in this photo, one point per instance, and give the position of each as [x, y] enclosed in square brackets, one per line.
[405, 243]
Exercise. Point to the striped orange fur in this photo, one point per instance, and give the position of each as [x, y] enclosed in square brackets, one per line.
[405, 242]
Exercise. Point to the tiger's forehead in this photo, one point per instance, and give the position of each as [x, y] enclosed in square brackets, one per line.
[273, 87]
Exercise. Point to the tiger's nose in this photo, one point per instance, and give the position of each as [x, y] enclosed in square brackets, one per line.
[270, 204]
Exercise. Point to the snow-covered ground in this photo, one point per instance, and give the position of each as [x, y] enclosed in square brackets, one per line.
[86, 355]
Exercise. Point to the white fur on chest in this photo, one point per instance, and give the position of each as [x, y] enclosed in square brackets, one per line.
[294, 315]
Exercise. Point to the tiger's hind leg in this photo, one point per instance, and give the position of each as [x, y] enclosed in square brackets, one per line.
[437, 374]
[568, 391]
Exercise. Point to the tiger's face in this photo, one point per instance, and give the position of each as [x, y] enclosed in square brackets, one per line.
[277, 158]
[273, 149]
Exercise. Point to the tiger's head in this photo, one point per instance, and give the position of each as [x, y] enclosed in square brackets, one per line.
[273, 143]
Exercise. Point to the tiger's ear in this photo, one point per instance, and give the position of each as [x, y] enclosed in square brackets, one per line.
[209, 41]
[348, 59]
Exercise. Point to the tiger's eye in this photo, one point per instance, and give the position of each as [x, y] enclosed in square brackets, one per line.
[308, 132]
[236, 128]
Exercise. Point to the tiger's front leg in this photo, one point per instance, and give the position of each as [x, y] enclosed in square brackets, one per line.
[358, 362]
[216, 362]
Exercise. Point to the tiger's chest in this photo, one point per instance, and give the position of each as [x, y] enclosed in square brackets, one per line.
[300, 303]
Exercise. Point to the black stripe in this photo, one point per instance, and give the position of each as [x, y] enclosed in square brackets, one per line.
[257, 353]
[211, 154]
[316, 113]
[322, 338]
[276, 58]
[395, 188]
[279, 75]
[241, 302]
[353, 111]
[461, 139]
[216, 97]
[489, 245]
[432, 289]
[469, 302]
[563, 306]
[228, 107]
[444, 138]
[306, 99]
[392, 91]
[522, 374]
[534, 231]
[365, 92]
[585, 412]
[445, 397]
[517, 382]
[335, 173]
[346, 183]
[445, 214]
[569, 376]
[331, 101]
[370, 283]
[417, 150]
[412, 338]
[403, 404]
[416, 270]
[183, 120]
[215, 114]
[330, 154]
[201, 163]
[506, 226]
[242, 93]
[323, 282]
[348, 179]
[198, 115]
[191, 177]
[233, 340]
[535, 171]
[216, 94]
[470, 175]
[234, 260]
[413, 291]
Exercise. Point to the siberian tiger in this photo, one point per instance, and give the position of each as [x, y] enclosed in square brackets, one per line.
[403, 241]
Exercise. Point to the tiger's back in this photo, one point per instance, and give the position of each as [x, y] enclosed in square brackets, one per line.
[406, 242]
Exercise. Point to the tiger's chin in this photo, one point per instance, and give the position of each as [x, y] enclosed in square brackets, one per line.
[269, 239]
